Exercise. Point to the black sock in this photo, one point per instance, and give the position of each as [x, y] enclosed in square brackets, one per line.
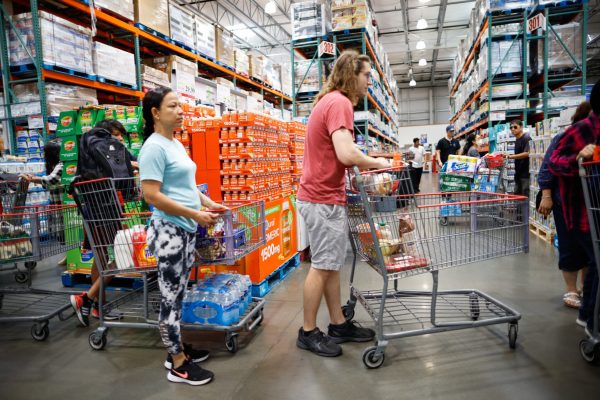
[305, 333]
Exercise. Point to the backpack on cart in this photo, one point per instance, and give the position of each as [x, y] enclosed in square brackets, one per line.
[101, 155]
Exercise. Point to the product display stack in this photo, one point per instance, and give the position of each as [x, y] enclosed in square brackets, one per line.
[297, 132]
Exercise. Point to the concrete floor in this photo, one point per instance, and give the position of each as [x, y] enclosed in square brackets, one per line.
[468, 364]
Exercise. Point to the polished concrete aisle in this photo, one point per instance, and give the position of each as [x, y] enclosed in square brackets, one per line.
[469, 364]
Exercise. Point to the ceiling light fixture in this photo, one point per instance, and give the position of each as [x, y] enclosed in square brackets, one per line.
[412, 83]
[424, 1]
[422, 24]
[422, 62]
[421, 45]
[271, 7]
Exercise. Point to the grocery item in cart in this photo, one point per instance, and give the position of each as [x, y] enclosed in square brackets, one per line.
[462, 164]
[404, 262]
[131, 250]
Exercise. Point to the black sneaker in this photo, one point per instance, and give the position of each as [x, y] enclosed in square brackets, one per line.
[191, 354]
[82, 305]
[319, 343]
[190, 373]
[349, 331]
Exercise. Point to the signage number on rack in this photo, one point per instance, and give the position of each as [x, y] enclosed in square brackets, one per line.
[535, 23]
[326, 48]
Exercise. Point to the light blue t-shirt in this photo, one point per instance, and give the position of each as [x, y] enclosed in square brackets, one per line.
[166, 161]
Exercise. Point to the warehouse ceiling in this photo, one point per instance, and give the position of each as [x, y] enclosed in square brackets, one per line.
[447, 24]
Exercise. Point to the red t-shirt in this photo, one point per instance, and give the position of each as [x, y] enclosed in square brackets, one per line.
[323, 179]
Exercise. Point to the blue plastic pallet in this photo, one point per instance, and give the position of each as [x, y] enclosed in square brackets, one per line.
[69, 71]
[116, 83]
[117, 284]
[222, 64]
[153, 32]
[184, 46]
[22, 69]
[209, 58]
[263, 288]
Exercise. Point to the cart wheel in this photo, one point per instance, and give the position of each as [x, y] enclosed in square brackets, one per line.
[512, 335]
[589, 352]
[348, 311]
[444, 221]
[21, 277]
[372, 361]
[474, 306]
[30, 265]
[40, 333]
[97, 341]
[232, 343]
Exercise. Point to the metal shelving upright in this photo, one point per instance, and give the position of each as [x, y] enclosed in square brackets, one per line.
[349, 39]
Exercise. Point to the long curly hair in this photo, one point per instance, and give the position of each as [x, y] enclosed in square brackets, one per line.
[344, 74]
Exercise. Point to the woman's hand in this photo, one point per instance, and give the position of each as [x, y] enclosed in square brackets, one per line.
[218, 207]
[587, 152]
[545, 206]
[205, 218]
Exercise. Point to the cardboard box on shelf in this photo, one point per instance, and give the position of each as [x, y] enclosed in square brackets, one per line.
[171, 64]
[224, 45]
[153, 14]
[205, 37]
[242, 62]
[256, 66]
[114, 64]
[181, 24]
[121, 7]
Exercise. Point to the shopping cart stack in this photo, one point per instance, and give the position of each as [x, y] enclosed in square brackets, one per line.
[590, 179]
[404, 238]
[116, 220]
[30, 231]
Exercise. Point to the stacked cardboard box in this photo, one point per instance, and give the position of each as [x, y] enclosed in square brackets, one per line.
[64, 44]
[182, 25]
[114, 64]
[242, 62]
[256, 66]
[153, 78]
[205, 37]
[310, 19]
[224, 44]
[153, 14]
[350, 14]
[121, 7]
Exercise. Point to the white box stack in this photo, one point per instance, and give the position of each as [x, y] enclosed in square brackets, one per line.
[114, 64]
[310, 19]
[121, 7]
[205, 37]
[182, 25]
[64, 44]
[242, 62]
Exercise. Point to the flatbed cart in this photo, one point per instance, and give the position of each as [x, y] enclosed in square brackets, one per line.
[115, 226]
[590, 180]
[31, 234]
[409, 241]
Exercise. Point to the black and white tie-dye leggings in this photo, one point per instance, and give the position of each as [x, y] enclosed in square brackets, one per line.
[174, 249]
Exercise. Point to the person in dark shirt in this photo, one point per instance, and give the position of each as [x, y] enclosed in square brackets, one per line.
[521, 158]
[446, 146]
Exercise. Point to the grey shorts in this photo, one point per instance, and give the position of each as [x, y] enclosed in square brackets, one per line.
[327, 227]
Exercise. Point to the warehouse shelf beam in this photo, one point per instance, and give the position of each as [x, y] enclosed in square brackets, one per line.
[404, 5]
[438, 42]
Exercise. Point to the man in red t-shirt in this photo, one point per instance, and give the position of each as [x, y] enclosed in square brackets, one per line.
[329, 150]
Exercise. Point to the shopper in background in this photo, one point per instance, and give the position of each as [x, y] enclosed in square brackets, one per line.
[118, 131]
[168, 178]
[446, 146]
[470, 149]
[521, 158]
[579, 141]
[572, 257]
[51, 182]
[88, 168]
[416, 167]
[329, 151]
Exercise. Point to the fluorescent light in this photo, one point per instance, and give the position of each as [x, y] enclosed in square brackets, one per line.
[412, 83]
[421, 45]
[422, 62]
[271, 7]
[424, 1]
[422, 24]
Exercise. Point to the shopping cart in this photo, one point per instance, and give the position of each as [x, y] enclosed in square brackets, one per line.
[28, 235]
[409, 240]
[590, 180]
[115, 220]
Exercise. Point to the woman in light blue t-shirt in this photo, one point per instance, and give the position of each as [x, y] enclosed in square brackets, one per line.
[168, 179]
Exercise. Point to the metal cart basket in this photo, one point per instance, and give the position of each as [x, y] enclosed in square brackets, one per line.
[406, 239]
[30, 234]
[115, 220]
[590, 180]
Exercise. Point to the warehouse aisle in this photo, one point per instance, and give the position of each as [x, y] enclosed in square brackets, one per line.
[459, 365]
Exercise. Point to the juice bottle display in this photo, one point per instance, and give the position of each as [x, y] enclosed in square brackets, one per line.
[286, 229]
